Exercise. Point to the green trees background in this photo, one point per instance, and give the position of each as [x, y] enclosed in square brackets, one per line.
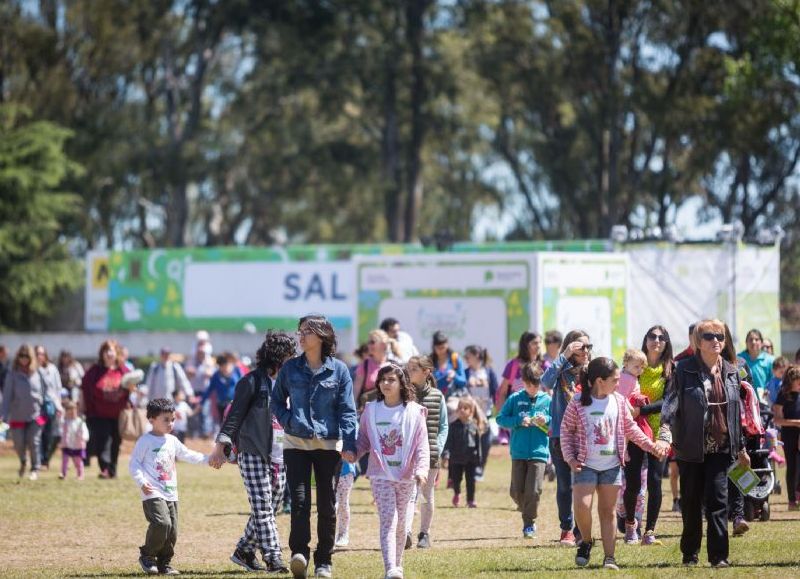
[211, 122]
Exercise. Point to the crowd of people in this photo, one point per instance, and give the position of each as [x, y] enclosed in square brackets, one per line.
[407, 421]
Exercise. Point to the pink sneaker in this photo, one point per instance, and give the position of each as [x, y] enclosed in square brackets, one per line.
[631, 535]
[567, 539]
[456, 500]
[650, 539]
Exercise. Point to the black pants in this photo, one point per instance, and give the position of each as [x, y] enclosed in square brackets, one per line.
[633, 484]
[705, 482]
[468, 472]
[327, 465]
[486, 446]
[50, 439]
[791, 448]
[104, 441]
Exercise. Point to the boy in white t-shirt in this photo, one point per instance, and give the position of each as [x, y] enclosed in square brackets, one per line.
[152, 466]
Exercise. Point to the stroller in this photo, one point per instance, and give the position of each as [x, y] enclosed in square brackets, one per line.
[756, 502]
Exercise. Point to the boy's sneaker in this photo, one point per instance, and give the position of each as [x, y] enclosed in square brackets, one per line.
[167, 570]
[276, 567]
[567, 539]
[148, 565]
[298, 566]
[631, 535]
[423, 541]
[690, 561]
[246, 560]
[529, 532]
[584, 553]
[409, 542]
[650, 539]
[34, 475]
[610, 563]
[342, 540]
[456, 500]
[740, 527]
[676, 505]
[323, 570]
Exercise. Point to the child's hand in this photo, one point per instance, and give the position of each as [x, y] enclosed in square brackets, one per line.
[662, 449]
[349, 456]
[539, 420]
[217, 457]
[575, 466]
[635, 411]
[147, 488]
[421, 480]
[526, 421]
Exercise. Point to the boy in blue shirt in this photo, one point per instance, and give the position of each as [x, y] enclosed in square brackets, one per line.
[527, 414]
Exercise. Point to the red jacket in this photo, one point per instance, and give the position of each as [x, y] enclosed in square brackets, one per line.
[103, 394]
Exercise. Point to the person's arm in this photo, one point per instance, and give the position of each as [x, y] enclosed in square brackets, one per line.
[280, 393]
[550, 377]
[652, 408]
[57, 385]
[242, 399]
[422, 461]
[508, 416]
[634, 433]
[569, 430]
[183, 381]
[87, 389]
[8, 392]
[492, 383]
[187, 455]
[358, 383]
[136, 466]
[779, 420]
[362, 442]
[444, 425]
[346, 411]
[669, 409]
[213, 386]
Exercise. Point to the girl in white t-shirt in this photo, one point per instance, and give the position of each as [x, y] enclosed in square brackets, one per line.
[394, 433]
[593, 440]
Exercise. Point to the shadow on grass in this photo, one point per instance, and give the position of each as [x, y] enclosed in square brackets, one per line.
[631, 567]
[184, 573]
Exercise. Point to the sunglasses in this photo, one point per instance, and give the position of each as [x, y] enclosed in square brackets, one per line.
[710, 336]
[657, 338]
[587, 347]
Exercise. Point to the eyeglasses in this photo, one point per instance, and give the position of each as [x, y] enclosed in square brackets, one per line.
[657, 338]
[303, 333]
[710, 336]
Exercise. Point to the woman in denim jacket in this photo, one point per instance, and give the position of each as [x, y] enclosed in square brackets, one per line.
[313, 400]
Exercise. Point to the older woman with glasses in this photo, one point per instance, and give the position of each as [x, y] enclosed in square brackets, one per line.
[654, 379]
[701, 418]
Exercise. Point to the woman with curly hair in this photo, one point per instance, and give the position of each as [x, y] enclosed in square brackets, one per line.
[258, 437]
[394, 433]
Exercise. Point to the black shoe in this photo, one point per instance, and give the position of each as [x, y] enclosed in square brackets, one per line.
[276, 567]
[409, 542]
[148, 565]
[690, 561]
[246, 560]
[584, 553]
[423, 541]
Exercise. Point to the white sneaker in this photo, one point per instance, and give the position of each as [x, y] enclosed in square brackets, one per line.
[34, 475]
[395, 573]
[299, 566]
[342, 540]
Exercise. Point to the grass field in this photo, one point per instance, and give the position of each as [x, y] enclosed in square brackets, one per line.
[52, 528]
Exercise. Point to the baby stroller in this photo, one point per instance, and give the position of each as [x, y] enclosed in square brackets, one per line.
[756, 502]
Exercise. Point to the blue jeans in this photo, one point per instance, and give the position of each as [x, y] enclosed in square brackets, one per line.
[563, 485]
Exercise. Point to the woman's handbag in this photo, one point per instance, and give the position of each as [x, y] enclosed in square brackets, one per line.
[132, 423]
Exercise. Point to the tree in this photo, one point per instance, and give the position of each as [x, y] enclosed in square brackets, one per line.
[36, 268]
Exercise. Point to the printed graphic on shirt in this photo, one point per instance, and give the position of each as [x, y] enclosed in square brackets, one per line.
[602, 430]
[391, 442]
[165, 467]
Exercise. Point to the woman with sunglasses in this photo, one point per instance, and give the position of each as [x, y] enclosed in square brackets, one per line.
[701, 417]
[653, 382]
[381, 349]
[23, 396]
[313, 400]
[560, 379]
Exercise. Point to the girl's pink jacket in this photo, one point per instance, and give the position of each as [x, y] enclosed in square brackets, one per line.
[574, 445]
[416, 456]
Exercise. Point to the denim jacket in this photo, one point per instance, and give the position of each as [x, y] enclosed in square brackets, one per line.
[560, 398]
[320, 405]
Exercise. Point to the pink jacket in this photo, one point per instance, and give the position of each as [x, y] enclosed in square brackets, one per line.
[573, 431]
[416, 456]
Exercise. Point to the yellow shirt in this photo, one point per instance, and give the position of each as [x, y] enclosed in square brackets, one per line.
[651, 384]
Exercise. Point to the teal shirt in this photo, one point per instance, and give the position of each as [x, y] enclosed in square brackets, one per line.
[760, 368]
[527, 443]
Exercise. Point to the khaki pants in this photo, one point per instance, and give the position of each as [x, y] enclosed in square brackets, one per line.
[527, 477]
[159, 543]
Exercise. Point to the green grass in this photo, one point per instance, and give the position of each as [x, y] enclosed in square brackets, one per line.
[53, 528]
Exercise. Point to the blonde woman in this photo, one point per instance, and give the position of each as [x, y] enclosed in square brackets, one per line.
[381, 349]
[23, 396]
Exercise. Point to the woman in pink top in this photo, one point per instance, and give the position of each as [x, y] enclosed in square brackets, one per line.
[393, 431]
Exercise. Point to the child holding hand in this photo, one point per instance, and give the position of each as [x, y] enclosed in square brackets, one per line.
[393, 432]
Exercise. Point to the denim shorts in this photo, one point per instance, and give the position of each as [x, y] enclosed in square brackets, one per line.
[590, 476]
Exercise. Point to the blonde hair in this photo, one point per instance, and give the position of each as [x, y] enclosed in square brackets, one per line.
[477, 413]
[704, 326]
[33, 363]
[383, 337]
[633, 355]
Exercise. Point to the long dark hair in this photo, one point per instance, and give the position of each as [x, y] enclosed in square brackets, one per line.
[524, 341]
[322, 327]
[407, 390]
[276, 347]
[482, 354]
[601, 368]
[792, 373]
[666, 355]
[572, 336]
[439, 337]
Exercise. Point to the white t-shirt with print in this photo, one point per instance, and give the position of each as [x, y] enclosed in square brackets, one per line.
[153, 461]
[389, 422]
[601, 435]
